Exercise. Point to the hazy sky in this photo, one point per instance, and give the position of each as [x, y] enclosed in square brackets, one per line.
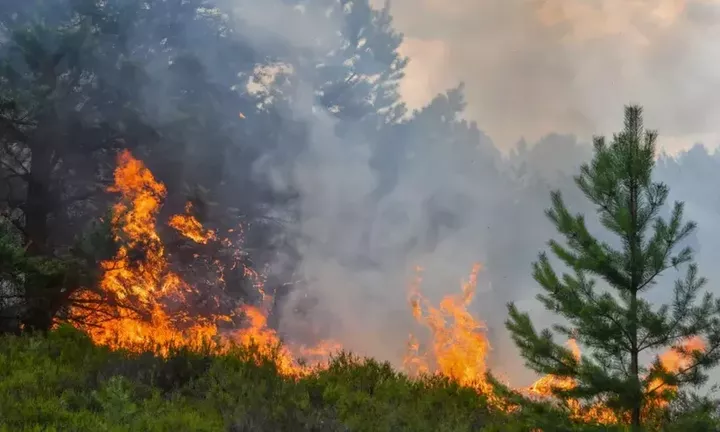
[536, 66]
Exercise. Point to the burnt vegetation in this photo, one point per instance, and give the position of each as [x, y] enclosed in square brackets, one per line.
[83, 80]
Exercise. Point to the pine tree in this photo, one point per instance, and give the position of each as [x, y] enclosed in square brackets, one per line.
[618, 325]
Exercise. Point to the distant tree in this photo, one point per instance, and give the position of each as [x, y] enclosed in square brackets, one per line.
[359, 79]
[618, 325]
[436, 138]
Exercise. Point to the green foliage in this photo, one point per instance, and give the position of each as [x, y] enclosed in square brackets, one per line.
[24, 277]
[691, 412]
[62, 381]
[616, 325]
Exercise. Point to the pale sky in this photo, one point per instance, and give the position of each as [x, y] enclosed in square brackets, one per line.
[537, 66]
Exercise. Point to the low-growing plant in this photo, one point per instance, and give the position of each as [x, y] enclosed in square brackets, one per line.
[63, 382]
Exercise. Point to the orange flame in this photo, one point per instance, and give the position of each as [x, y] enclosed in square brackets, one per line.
[189, 227]
[671, 360]
[459, 348]
[543, 388]
[674, 361]
[128, 308]
[139, 300]
[459, 344]
[133, 305]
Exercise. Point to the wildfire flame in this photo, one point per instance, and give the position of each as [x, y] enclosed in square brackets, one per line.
[675, 361]
[189, 227]
[671, 360]
[139, 300]
[459, 345]
[458, 341]
[128, 307]
[459, 348]
[543, 388]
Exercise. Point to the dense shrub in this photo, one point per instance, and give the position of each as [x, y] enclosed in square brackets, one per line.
[62, 382]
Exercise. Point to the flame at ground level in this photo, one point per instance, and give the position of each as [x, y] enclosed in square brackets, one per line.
[671, 360]
[139, 300]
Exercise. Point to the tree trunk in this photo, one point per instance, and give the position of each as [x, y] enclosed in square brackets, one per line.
[636, 411]
[36, 216]
[38, 204]
[635, 270]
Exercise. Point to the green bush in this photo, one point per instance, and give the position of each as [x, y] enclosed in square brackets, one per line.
[63, 382]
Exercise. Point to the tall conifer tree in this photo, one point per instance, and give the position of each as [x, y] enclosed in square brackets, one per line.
[617, 326]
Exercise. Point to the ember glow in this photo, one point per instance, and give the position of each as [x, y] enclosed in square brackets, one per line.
[141, 301]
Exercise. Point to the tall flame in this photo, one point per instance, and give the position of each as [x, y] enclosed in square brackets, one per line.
[459, 348]
[129, 307]
[459, 344]
[139, 300]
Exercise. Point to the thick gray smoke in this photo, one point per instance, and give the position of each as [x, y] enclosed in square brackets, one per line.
[433, 190]
[530, 68]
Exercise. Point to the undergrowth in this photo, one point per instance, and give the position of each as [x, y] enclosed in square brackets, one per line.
[63, 382]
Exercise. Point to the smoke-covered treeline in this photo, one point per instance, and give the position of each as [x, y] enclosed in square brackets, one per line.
[284, 116]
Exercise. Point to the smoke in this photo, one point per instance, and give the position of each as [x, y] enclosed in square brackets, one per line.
[358, 253]
[534, 67]
[447, 197]
[530, 68]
